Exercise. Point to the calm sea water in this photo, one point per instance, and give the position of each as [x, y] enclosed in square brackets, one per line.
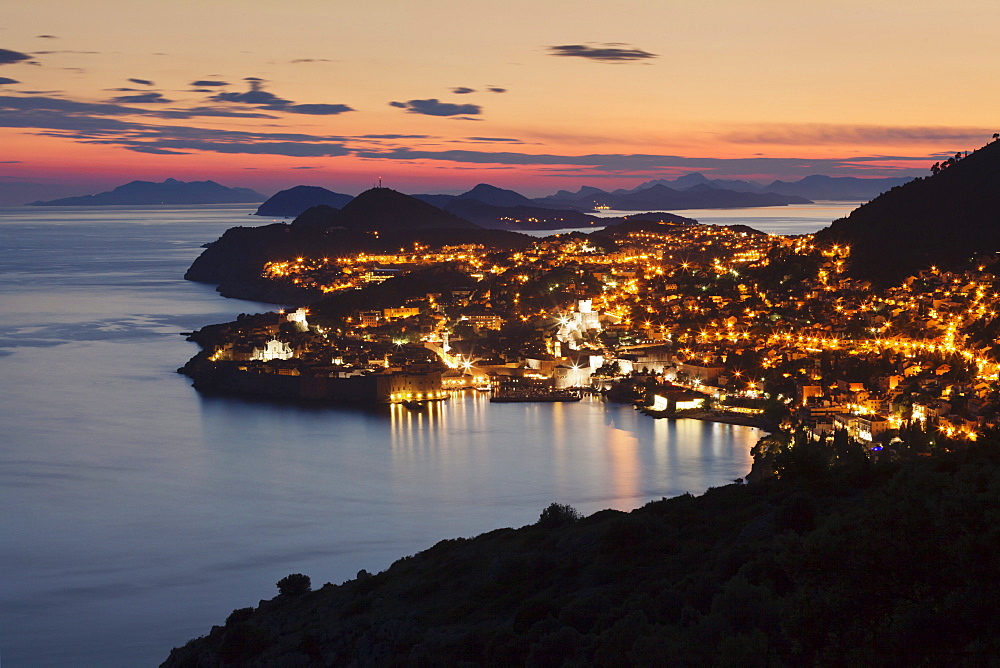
[134, 513]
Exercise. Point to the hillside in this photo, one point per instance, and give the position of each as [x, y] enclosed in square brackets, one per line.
[294, 201]
[937, 220]
[234, 262]
[861, 564]
[171, 191]
[384, 209]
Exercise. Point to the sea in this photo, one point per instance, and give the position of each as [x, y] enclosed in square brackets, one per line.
[136, 513]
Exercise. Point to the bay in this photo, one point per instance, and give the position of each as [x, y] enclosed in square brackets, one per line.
[134, 513]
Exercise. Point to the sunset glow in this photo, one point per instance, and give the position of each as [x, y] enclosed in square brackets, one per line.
[440, 95]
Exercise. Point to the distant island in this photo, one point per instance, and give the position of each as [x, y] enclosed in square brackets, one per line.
[171, 191]
[499, 208]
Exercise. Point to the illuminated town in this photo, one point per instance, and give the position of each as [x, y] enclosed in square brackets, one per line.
[717, 323]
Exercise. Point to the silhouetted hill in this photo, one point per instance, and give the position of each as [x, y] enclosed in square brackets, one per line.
[385, 209]
[320, 216]
[171, 191]
[488, 194]
[842, 188]
[866, 564]
[293, 201]
[660, 197]
[937, 220]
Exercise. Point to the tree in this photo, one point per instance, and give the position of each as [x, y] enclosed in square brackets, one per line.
[294, 584]
[557, 514]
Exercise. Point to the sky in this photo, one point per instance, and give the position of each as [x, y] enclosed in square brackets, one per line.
[439, 95]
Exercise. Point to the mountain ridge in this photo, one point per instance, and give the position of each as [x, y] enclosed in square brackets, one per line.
[170, 191]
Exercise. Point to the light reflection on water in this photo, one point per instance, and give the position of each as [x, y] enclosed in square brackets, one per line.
[138, 513]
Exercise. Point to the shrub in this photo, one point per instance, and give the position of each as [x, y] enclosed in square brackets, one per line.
[558, 514]
[295, 584]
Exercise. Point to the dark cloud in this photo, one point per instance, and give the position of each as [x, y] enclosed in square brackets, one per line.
[95, 124]
[212, 112]
[810, 134]
[5, 80]
[495, 140]
[317, 109]
[605, 53]
[496, 89]
[463, 90]
[464, 118]
[256, 95]
[310, 167]
[155, 150]
[202, 83]
[142, 98]
[142, 82]
[629, 163]
[84, 53]
[394, 137]
[310, 60]
[259, 97]
[89, 110]
[433, 107]
[294, 149]
[46, 37]
[8, 57]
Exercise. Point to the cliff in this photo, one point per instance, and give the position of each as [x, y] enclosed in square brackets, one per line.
[861, 564]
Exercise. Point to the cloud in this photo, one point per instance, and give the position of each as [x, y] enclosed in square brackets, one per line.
[317, 109]
[46, 37]
[463, 90]
[203, 83]
[495, 140]
[496, 89]
[142, 82]
[811, 134]
[309, 167]
[615, 163]
[5, 80]
[256, 95]
[394, 137]
[310, 60]
[259, 97]
[8, 57]
[433, 107]
[605, 53]
[142, 98]
[95, 124]
[85, 53]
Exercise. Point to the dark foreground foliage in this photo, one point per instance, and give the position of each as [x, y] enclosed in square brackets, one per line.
[898, 566]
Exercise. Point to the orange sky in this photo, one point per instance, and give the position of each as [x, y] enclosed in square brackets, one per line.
[442, 94]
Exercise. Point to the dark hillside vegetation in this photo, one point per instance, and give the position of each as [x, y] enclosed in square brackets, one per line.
[943, 220]
[860, 563]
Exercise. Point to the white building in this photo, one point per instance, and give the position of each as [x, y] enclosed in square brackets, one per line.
[272, 350]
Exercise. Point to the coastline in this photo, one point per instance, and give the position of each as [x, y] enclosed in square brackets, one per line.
[715, 416]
